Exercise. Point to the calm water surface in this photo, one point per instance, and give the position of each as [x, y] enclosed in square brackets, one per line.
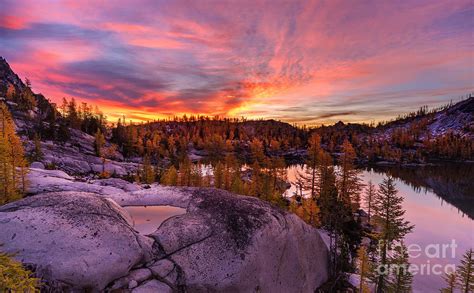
[148, 218]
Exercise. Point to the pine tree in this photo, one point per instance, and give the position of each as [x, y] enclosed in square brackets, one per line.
[310, 212]
[170, 177]
[365, 269]
[256, 150]
[219, 175]
[450, 279]
[99, 142]
[326, 172]
[255, 180]
[388, 214]
[369, 197]
[13, 167]
[184, 178]
[349, 182]
[277, 172]
[37, 152]
[311, 175]
[148, 173]
[336, 218]
[237, 186]
[400, 279]
[465, 272]
[27, 100]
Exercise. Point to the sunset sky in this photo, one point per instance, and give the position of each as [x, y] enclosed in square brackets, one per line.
[309, 62]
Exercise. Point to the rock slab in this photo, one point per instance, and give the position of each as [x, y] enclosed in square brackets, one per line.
[74, 240]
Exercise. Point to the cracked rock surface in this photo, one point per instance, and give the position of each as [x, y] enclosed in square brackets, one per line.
[223, 243]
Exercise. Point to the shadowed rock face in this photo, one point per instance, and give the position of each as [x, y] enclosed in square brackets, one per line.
[224, 242]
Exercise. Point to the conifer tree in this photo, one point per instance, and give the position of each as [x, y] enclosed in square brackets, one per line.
[400, 279]
[13, 168]
[465, 272]
[170, 177]
[99, 142]
[27, 99]
[369, 197]
[314, 158]
[310, 212]
[219, 175]
[349, 183]
[388, 214]
[256, 150]
[450, 279]
[148, 173]
[326, 172]
[237, 185]
[255, 180]
[335, 218]
[38, 152]
[184, 178]
[365, 268]
[277, 171]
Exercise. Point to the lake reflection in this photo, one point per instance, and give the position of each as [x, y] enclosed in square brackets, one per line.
[439, 201]
[148, 218]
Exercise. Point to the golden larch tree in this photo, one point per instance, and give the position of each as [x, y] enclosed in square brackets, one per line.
[13, 167]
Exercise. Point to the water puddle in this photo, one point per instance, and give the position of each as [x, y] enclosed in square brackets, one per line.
[148, 218]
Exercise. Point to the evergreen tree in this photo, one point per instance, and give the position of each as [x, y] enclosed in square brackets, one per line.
[27, 100]
[465, 272]
[365, 269]
[336, 218]
[310, 212]
[349, 182]
[256, 150]
[311, 175]
[99, 143]
[388, 214]
[369, 197]
[170, 177]
[37, 152]
[237, 185]
[219, 175]
[13, 167]
[277, 171]
[450, 279]
[148, 173]
[255, 180]
[400, 279]
[184, 178]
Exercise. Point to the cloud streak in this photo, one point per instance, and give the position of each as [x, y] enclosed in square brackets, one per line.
[300, 61]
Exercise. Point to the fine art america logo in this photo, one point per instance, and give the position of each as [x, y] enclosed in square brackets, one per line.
[435, 252]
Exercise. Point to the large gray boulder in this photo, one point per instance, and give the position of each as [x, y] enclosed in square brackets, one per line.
[231, 243]
[75, 241]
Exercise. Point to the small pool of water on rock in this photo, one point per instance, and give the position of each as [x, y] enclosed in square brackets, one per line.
[148, 218]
